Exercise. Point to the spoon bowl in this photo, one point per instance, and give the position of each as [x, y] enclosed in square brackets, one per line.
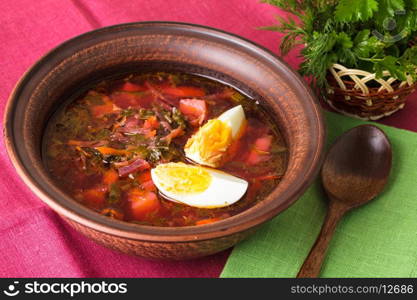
[357, 166]
[355, 171]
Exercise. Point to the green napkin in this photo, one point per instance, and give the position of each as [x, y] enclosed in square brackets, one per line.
[375, 240]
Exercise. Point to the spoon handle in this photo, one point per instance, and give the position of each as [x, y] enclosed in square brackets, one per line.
[312, 265]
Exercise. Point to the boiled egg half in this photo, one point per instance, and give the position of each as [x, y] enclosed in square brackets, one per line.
[197, 186]
[210, 144]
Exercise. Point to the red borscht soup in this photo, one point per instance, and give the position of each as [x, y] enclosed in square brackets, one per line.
[165, 149]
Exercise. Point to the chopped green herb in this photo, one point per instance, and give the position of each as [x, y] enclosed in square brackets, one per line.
[178, 118]
[167, 115]
[112, 158]
[142, 151]
[145, 113]
[138, 139]
[114, 194]
[128, 112]
[154, 155]
[102, 134]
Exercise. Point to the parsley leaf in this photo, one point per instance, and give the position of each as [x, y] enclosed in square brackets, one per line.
[367, 45]
[371, 35]
[390, 63]
[388, 9]
[355, 10]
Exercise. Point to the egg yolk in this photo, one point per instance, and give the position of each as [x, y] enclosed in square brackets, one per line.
[180, 178]
[211, 142]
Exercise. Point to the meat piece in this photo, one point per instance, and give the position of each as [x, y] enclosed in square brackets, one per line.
[195, 111]
[134, 166]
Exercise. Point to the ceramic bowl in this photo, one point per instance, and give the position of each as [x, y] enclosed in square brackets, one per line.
[164, 46]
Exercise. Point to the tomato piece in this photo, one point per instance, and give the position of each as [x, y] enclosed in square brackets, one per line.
[148, 186]
[263, 143]
[255, 157]
[195, 110]
[131, 87]
[183, 91]
[110, 176]
[142, 203]
[145, 181]
[151, 123]
[125, 100]
[95, 197]
[100, 110]
[260, 150]
[145, 176]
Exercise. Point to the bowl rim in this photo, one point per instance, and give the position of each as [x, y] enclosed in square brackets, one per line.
[127, 230]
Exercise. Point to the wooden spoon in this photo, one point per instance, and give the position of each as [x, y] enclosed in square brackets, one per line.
[355, 171]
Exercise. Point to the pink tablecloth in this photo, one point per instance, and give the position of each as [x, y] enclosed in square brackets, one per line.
[35, 242]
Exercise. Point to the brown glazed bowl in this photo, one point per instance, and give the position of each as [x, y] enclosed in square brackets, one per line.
[170, 47]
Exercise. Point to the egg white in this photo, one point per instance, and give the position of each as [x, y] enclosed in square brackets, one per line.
[234, 118]
[224, 190]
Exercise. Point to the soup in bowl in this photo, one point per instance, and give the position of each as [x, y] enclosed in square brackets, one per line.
[165, 149]
[164, 140]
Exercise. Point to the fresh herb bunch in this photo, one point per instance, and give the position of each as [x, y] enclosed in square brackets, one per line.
[371, 35]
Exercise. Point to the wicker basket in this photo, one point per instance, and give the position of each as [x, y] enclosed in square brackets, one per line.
[360, 94]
